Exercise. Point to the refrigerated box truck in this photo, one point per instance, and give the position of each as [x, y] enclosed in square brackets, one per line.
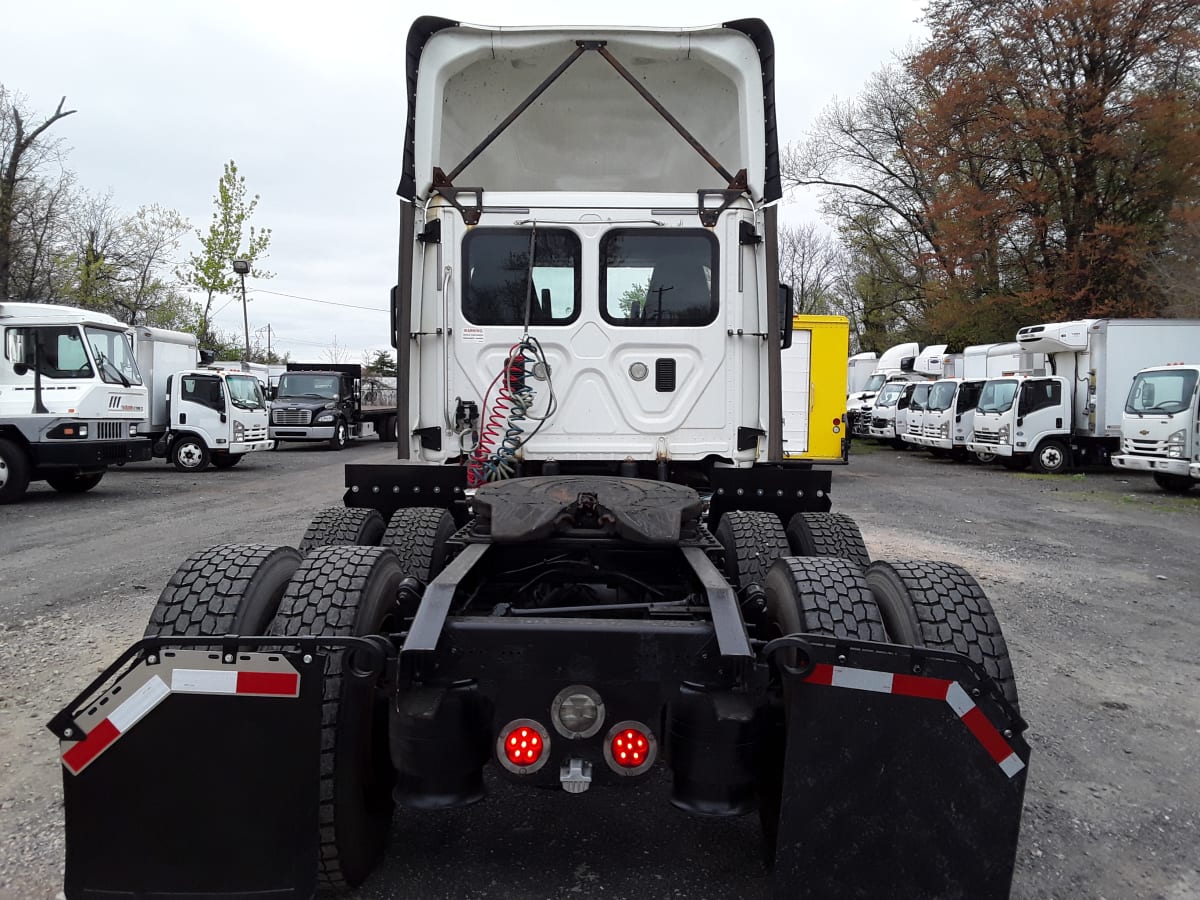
[1072, 416]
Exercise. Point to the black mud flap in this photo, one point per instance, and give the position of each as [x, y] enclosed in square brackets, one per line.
[903, 777]
[195, 777]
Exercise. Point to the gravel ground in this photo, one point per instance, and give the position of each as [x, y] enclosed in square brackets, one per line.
[1093, 576]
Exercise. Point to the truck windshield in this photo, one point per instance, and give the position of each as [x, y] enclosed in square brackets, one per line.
[113, 355]
[890, 394]
[245, 392]
[1161, 393]
[920, 395]
[665, 279]
[941, 395]
[875, 382]
[312, 386]
[997, 396]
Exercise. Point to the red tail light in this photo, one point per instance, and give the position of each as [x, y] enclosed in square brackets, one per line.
[630, 748]
[523, 746]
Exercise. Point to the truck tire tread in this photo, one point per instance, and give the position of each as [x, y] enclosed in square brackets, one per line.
[946, 609]
[228, 589]
[418, 534]
[827, 534]
[752, 542]
[829, 595]
[346, 591]
[342, 525]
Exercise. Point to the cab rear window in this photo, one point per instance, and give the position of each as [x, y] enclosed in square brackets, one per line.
[498, 290]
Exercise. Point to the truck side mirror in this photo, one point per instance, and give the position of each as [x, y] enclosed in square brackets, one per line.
[787, 311]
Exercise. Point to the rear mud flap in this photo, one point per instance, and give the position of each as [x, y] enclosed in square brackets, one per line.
[195, 777]
[903, 776]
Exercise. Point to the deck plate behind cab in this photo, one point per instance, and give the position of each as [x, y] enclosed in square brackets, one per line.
[636, 509]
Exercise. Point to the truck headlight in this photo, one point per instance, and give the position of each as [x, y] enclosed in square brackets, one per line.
[324, 417]
[1004, 434]
[1175, 442]
[944, 429]
[239, 431]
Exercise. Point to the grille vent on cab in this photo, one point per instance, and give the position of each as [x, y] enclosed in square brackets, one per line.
[664, 375]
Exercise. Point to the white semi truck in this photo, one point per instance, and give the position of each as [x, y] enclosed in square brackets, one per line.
[1160, 428]
[1073, 415]
[592, 568]
[71, 396]
[198, 415]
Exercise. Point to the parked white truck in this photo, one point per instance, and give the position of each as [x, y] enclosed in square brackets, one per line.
[70, 398]
[894, 364]
[883, 411]
[1160, 429]
[859, 368]
[1073, 415]
[198, 415]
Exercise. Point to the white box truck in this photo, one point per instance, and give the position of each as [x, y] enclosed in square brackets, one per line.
[859, 368]
[198, 415]
[70, 398]
[894, 364]
[1160, 428]
[1073, 415]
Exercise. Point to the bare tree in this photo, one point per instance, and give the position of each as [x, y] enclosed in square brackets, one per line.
[808, 261]
[22, 154]
[336, 353]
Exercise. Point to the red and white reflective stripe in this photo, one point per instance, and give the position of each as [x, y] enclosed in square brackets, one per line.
[78, 755]
[121, 719]
[930, 689]
[228, 681]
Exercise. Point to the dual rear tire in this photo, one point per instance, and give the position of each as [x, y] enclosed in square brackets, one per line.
[333, 591]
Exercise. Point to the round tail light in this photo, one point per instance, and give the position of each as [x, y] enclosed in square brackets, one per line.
[630, 748]
[523, 746]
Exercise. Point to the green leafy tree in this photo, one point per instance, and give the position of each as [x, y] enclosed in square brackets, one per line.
[381, 364]
[635, 294]
[230, 236]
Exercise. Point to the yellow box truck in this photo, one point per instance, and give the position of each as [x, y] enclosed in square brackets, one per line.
[814, 389]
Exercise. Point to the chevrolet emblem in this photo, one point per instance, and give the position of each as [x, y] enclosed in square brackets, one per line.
[1143, 432]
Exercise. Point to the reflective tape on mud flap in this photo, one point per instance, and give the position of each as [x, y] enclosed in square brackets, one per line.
[181, 672]
[951, 692]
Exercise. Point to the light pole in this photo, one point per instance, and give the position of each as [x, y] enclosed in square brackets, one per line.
[242, 268]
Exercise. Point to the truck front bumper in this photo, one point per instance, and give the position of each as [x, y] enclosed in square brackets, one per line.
[302, 432]
[885, 434]
[994, 449]
[240, 447]
[86, 454]
[1162, 464]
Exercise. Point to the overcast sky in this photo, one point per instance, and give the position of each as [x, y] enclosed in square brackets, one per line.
[309, 101]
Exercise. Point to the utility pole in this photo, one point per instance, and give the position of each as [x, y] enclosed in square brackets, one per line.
[267, 329]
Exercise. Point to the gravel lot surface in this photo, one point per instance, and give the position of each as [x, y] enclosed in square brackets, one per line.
[1093, 576]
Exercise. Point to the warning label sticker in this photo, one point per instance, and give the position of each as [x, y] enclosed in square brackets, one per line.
[471, 335]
